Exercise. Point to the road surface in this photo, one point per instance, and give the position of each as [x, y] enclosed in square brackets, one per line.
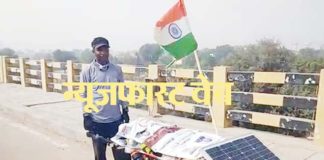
[18, 142]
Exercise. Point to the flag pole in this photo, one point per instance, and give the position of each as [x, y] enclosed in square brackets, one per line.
[197, 61]
[169, 65]
[209, 106]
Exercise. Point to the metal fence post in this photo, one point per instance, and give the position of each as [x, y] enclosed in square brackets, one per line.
[4, 69]
[44, 74]
[319, 119]
[1, 70]
[22, 67]
[219, 109]
[70, 73]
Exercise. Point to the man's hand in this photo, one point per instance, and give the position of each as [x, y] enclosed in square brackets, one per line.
[125, 115]
[87, 121]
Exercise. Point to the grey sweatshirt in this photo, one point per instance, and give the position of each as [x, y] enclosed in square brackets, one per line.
[107, 73]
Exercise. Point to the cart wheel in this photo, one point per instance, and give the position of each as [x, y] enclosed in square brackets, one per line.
[137, 156]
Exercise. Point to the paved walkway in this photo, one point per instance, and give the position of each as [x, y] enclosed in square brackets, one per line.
[52, 116]
[19, 142]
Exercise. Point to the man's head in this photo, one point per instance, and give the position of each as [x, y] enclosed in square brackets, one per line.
[100, 47]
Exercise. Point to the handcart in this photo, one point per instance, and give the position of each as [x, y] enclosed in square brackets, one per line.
[122, 153]
[145, 139]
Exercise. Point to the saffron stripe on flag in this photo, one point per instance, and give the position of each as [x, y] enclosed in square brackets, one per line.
[175, 13]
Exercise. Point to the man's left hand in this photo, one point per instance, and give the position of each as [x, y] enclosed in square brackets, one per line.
[125, 116]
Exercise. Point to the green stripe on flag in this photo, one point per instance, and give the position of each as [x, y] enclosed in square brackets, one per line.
[182, 47]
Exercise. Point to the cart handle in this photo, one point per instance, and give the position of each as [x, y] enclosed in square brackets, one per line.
[98, 137]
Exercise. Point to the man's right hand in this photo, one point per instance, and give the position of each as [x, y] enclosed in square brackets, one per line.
[87, 121]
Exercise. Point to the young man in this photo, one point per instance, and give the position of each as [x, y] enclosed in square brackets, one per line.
[105, 122]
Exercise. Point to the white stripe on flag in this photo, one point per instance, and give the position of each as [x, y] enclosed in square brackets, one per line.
[163, 37]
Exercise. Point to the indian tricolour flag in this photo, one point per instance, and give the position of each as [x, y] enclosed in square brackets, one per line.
[173, 32]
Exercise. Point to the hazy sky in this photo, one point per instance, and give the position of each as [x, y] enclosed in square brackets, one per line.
[128, 24]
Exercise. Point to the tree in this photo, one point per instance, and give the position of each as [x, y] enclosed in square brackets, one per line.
[149, 53]
[266, 55]
[46, 56]
[309, 53]
[86, 56]
[126, 58]
[63, 56]
[189, 61]
[213, 57]
[165, 59]
[309, 60]
[8, 52]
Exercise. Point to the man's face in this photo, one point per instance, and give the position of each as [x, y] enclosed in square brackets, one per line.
[102, 53]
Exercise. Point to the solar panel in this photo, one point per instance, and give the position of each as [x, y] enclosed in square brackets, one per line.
[244, 148]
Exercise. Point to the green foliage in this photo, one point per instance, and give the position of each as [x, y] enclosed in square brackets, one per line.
[165, 59]
[214, 57]
[8, 52]
[86, 56]
[309, 60]
[47, 56]
[149, 53]
[189, 62]
[266, 55]
[127, 58]
[63, 56]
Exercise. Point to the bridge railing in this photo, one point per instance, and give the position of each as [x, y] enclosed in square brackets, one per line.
[248, 102]
[247, 96]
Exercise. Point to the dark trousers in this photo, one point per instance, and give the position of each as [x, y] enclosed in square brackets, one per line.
[106, 130]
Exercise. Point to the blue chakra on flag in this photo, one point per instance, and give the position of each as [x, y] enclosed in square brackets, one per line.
[175, 31]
